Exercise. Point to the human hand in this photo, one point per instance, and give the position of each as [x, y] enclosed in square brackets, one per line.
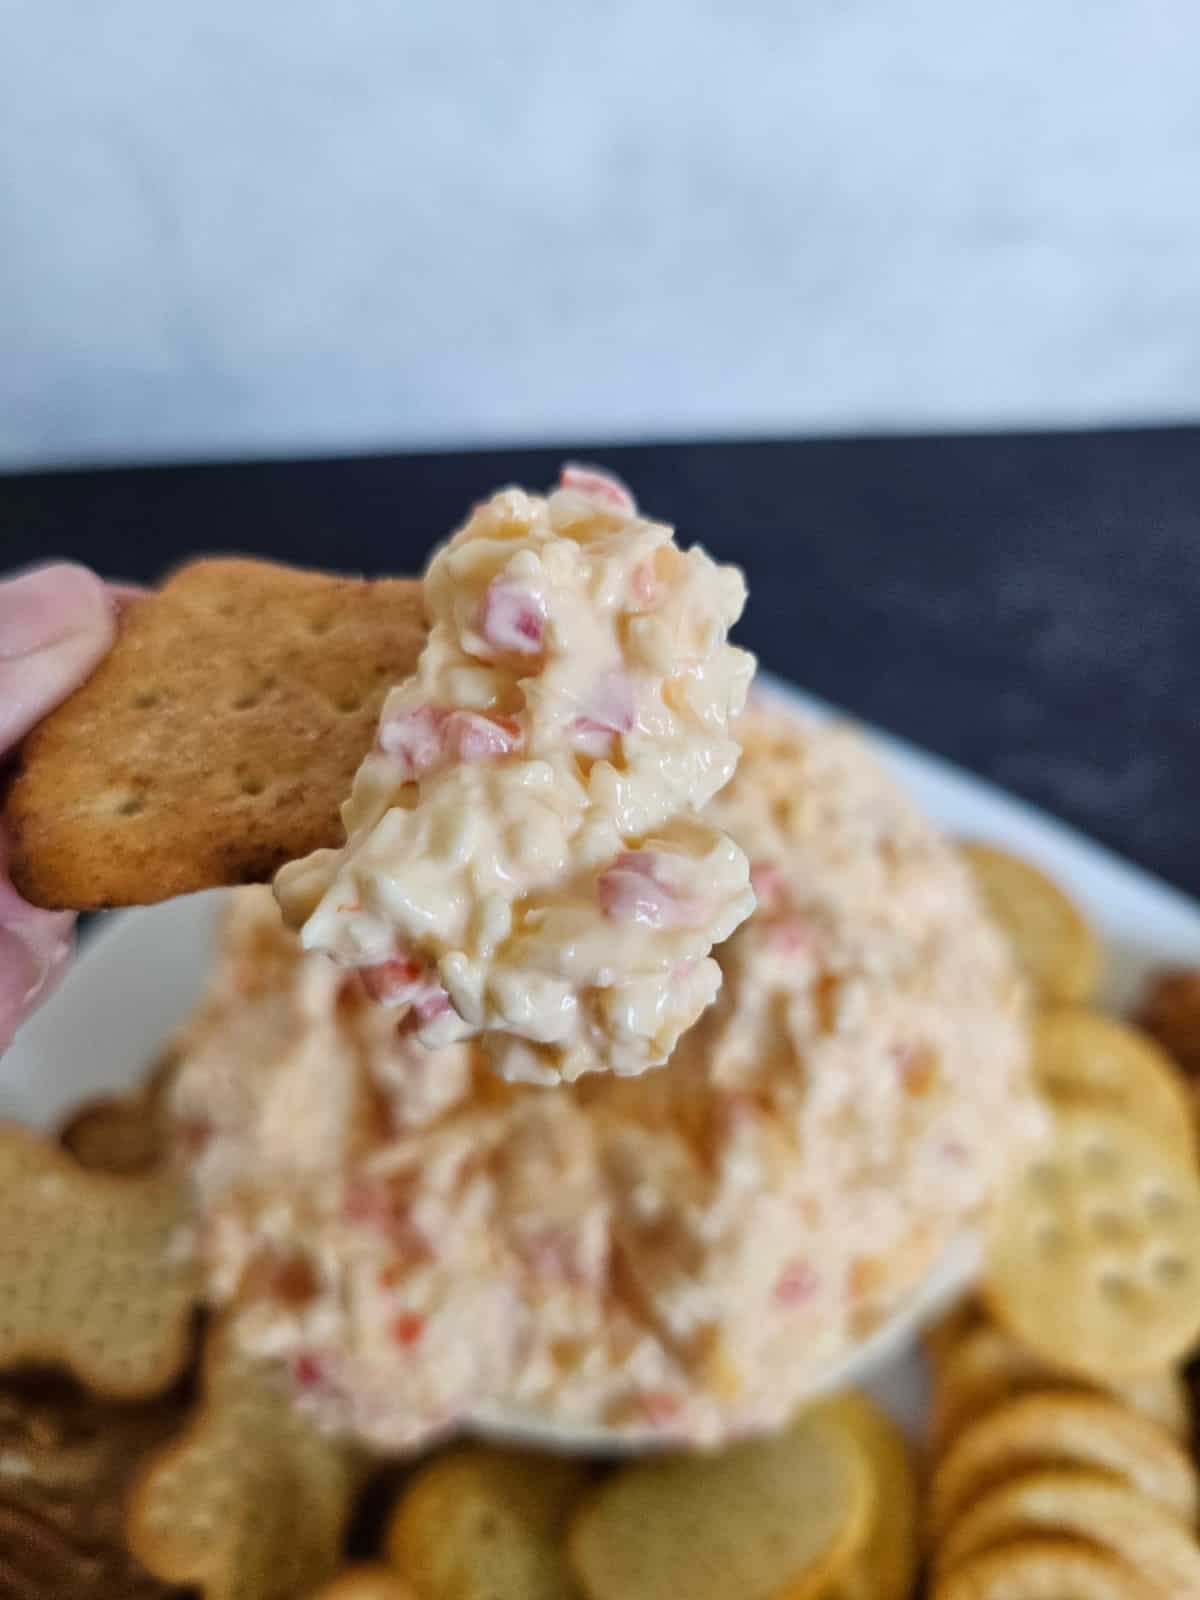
[55, 625]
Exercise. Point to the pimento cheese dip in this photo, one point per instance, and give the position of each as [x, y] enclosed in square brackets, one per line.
[417, 1240]
[524, 857]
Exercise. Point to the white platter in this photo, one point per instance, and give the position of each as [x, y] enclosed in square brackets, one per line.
[141, 971]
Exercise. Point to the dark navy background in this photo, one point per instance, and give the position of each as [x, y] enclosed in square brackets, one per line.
[1028, 606]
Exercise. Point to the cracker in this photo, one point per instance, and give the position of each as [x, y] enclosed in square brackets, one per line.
[367, 1580]
[1044, 1569]
[1051, 1430]
[115, 1133]
[251, 1502]
[1081, 1055]
[218, 738]
[886, 1566]
[943, 1337]
[1093, 1255]
[782, 1517]
[67, 1462]
[988, 1367]
[1055, 946]
[486, 1524]
[1084, 1505]
[96, 1273]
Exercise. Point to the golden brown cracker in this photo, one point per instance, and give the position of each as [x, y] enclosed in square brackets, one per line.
[1055, 946]
[486, 1524]
[885, 1567]
[368, 1580]
[1042, 1430]
[1085, 1505]
[67, 1461]
[1082, 1055]
[1093, 1254]
[216, 741]
[96, 1270]
[1050, 1568]
[251, 1502]
[783, 1516]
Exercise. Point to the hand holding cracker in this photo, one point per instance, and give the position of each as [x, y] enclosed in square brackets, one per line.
[55, 625]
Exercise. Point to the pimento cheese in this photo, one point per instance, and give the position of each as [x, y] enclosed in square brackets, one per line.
[416, 1239]
[524, 857]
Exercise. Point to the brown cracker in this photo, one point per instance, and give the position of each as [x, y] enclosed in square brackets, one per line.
[95, 1271]
[216, 741]
[251, 1502]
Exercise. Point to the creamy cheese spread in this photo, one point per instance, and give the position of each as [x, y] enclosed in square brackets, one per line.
[416, 1239]
[525, 860]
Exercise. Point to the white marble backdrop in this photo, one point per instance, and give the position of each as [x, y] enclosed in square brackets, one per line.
[246, 226]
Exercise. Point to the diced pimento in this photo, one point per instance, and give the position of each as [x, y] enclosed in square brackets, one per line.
[767, 881]
[407, 1329]
[790, 936]
[659, 1407]
[309, 1371]
[646, 588]
[415, 737]
[631, 890]
[598, 486]
[403, 980]
[474, 737]
[610, 711]
[797, 1284]
[512, 619]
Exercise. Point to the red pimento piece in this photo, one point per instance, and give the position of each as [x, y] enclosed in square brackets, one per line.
[408, 1329]
[797, 1284]
[632, 890]
[659, 1407]
[610, 711]
[646, 588]
[767, 881]
[474, 737]
[415, 737]
[598, 486]
[393, 982]
[790, 936]
[512, 619]
[308, 1371]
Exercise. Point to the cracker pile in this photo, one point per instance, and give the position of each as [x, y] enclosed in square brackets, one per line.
[218, 738]
[1061, 1424]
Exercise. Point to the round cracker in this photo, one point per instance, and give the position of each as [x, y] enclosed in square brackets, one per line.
[1082, 1504]
[988, 1367]
[1093, 1254]
[368, 1580]
[1080, 1055]
[782, 1516]
[1055, 946]
[1051, 1430]
[886, 1566]
[1044, 1569]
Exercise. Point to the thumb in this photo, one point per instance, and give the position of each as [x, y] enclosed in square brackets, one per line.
[55, 625]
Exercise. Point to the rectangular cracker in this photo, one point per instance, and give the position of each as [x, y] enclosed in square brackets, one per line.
[216, 741]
